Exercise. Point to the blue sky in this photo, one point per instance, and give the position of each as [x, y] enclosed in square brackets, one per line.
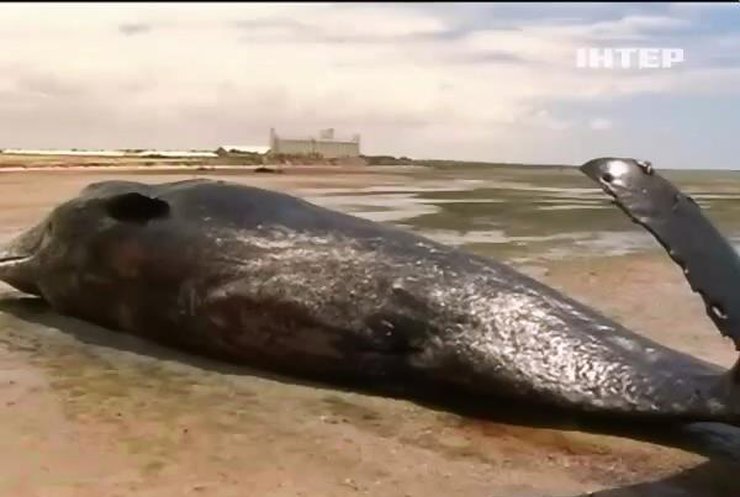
[494, 82]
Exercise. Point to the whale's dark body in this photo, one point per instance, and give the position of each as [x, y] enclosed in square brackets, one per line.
[268, 280]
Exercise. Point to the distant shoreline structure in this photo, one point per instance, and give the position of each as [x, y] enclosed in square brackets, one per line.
[109, 153]
[251, 155]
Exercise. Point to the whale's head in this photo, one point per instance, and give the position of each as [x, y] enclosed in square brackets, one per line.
[58, 242]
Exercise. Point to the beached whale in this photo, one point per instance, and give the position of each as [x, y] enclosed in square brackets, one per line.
[271, 281]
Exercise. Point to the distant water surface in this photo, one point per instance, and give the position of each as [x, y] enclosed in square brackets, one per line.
[526, 213]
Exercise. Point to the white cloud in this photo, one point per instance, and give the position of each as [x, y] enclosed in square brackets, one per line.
[680, 7]
[600, 124]
[181, 75]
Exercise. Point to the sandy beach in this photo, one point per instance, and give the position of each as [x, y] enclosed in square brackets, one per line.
[87, 412]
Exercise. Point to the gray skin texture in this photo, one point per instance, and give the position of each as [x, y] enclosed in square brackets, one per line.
[268, 280]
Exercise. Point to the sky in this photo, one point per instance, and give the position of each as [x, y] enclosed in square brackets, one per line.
[489, 82]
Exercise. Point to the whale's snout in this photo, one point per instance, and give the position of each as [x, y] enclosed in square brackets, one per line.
[17, 259]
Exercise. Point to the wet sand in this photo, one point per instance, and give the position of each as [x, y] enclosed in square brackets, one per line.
[88, 412]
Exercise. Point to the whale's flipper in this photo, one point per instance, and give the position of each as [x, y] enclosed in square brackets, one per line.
[709, 262]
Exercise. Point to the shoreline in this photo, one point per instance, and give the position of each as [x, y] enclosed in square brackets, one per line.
[292, 169]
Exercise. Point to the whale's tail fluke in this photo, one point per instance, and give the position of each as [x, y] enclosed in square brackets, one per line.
[710, 264]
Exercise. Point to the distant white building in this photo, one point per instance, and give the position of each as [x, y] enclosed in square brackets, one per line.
[110, 153]
[93, 153]
[173, 153]
[247, 149]
[326, 145]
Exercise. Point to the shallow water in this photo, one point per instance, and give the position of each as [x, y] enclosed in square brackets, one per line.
[525, 214]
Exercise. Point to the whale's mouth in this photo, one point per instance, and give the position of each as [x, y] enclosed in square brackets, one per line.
[13, 260]
[19, 259]
[16, 270]
[21, 250]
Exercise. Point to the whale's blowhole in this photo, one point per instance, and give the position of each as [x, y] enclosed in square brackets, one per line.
[136, 208]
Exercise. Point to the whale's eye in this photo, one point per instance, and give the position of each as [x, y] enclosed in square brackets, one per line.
[718, 311]
[607, 177]
[136, 208]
